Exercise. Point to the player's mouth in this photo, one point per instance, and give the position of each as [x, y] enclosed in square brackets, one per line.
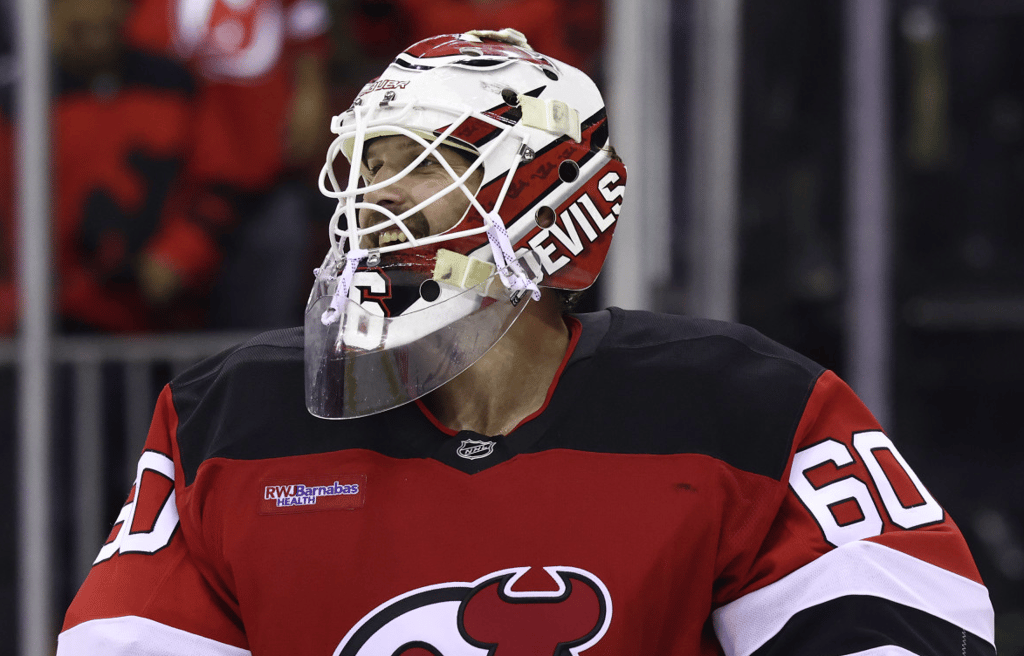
[389, 237]
[417, 225]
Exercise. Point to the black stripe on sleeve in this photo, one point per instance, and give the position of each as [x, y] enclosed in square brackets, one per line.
[853, 624]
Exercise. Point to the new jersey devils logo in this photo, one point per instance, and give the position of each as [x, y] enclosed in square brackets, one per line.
[488, 617]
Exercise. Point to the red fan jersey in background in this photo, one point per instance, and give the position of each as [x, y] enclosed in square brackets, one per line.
[249, 58]
[568, 30]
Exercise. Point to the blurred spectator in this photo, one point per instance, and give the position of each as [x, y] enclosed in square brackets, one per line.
[570, 30]
[131, 255]
[379, 29]
[263, 126]
[366, 35]
[261, 66]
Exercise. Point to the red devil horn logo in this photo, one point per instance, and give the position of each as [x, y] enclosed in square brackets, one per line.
[514, 623]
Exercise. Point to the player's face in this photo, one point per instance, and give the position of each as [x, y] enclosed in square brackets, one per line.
[388, 156]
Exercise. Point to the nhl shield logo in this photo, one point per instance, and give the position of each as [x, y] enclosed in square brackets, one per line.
[475, 449]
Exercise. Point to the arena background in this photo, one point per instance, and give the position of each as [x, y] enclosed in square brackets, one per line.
[845, 176]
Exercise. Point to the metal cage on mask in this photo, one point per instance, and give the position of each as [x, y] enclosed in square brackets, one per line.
[444, 309]
[390, 119]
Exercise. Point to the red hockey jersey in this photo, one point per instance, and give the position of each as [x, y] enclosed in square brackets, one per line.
[119, 191]
[690, 487]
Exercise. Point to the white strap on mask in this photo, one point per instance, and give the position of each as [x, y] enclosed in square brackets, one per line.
[511, 272]
[352, 260]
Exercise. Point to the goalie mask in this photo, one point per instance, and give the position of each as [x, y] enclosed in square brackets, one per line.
[522, 193]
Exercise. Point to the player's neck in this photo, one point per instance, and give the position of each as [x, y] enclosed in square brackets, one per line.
[512, 380]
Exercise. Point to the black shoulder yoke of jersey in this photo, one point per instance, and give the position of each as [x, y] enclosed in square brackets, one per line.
[662, 384]
[248, 403]
[637, 383]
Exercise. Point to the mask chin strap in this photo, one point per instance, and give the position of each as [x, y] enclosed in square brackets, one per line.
[352, 259]
[511, 272]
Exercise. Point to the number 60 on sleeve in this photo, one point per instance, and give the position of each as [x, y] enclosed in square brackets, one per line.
[822, 500]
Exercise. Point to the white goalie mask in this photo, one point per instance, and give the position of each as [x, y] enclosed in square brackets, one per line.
[398, 308]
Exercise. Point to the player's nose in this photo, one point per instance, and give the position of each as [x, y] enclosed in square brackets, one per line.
[391, 194]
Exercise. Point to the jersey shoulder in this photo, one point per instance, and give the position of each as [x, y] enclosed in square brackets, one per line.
[227, 404]
[635, 329]
[678, 384]
[248, 403]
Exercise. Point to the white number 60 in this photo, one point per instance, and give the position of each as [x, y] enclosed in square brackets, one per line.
[820, 500]
[154, 539]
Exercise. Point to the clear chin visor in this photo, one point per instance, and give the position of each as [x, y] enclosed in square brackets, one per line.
[398, 335]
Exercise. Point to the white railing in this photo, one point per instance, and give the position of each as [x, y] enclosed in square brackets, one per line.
[146, 364]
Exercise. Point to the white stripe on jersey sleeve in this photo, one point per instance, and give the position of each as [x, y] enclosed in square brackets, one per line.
[884, 651]
[856, 568]
[138, 636]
